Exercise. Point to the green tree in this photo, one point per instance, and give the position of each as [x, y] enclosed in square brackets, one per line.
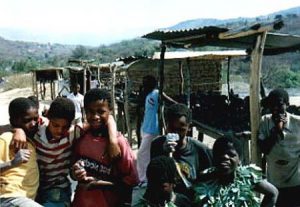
[80, 52]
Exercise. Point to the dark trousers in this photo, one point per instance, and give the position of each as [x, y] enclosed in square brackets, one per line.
[289, 197]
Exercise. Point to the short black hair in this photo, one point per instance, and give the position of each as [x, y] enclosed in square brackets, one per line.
[96, 94]
[223, 143]
[19, 106]
[150, 81]
[62, 108]
[34, 99]
[176, 111]
[276, 96]
[161, 169]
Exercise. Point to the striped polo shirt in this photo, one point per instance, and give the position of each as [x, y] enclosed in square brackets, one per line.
[54, 158]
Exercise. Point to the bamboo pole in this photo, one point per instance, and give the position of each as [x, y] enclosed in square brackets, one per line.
[255, 68]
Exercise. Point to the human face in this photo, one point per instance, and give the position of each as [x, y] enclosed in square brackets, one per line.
[28, 122]
[97, 113]
[76, 89]
[227, 161]
[179, 126]
[58, 127]
[278, 109]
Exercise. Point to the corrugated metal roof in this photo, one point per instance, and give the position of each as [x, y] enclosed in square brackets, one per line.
[242, 38]
[202, 54]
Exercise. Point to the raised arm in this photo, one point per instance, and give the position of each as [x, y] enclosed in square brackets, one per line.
[113, 147]
[168, 98]
[19, 140]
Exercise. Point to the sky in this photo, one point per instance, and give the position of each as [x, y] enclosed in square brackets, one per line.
[98, 22]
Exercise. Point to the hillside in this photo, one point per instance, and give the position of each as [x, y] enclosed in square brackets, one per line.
[19, 56]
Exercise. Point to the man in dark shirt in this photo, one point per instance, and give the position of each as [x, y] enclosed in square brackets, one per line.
[190, 155]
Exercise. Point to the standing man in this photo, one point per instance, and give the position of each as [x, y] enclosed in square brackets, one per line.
[279, 140]
[77, 99]
[149, 129]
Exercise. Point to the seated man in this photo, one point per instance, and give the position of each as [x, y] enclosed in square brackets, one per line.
[191, 156]
[19, 173]
[161, 175]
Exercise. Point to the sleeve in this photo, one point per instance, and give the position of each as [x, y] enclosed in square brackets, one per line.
[3, 151]
[253, 172]
[126, 164]
[263, 131]
[81, 102]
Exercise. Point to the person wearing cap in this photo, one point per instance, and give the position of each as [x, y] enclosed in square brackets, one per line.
[279, 140]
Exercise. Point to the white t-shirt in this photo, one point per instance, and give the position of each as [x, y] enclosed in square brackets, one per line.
[78, 102]
[283, 161]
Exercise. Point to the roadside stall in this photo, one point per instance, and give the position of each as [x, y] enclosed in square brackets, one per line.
[186, 75]
[44, 76]
[255, 39]
[90, 76]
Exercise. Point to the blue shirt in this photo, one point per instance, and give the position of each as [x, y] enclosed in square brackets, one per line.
[150, 122]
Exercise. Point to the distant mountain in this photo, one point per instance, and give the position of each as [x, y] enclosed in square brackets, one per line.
[196, 23]
[57, 54]
[16, 50]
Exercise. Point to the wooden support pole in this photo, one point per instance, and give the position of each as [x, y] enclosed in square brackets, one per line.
[113, 83]
[228, 75]
[98, 76]
[188, 83]
[84, 80]
[255, 68]
[181, 78]
[161, 88]
[126, 109]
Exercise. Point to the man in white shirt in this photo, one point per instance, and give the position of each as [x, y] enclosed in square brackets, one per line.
[77, 99]
[279, 140]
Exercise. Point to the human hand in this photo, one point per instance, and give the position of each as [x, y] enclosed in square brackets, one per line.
[22, 156]
[80, 173]
[95, 184]
[19, 139]
[170, 143]
[279, 121]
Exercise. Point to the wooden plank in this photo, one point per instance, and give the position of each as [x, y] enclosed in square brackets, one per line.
[254, 30]
[255, 68]
[205, 129]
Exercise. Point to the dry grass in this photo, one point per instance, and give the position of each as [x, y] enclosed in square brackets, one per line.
[18, 81]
